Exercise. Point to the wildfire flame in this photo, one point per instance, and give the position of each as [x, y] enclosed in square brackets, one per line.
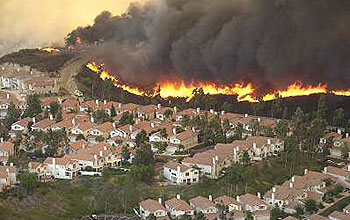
[50, 49]
[244, 92]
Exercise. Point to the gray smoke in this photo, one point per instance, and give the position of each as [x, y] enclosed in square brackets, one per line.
[270, 42]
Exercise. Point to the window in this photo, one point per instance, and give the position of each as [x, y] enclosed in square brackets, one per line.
[187, 174]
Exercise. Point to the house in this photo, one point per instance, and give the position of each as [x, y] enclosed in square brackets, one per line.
[44, 124]
[82, 128]
[6, 150]
[336, 215]
[338, 147]
[258, 207]
[74, 147]
[228, 203]
[102, 130]
[340, 173]
[88, 105]
[39, 85]
[189, 113]
[180, 174]
[40, 169]
[263, 147]
[62, 168]
[107, 106]
[70, 105]
[178, 207]
[20, 126]
[346, 209]
[317, 217]
[330, 138]
[206, 206]
[124, 131]
[163, 113]
[186, 139]
[151, 207]
[8, 177]
[147, 112]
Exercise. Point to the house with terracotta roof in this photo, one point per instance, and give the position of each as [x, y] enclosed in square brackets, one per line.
[206, 206]
[178, 207]
[103, 130]
[124, 131]
[44, 124]
[262, 147]
[6, 150]
[81, 128]
[185, 140]
[62, 168]
[190, 113]
[160, 112]
[39, 85]
[317, 217]
[21, 125]
[151, 207]
[254, 204]
[346, 209]
[8, 177]
[74, 147]
[107, 106]
[40, 169]
[228, 203]
[180, 174]
[341, 173]
[89, 105]
[66, 124]
[70, 105]
[330, 138]
[146, 112]
[336, 215]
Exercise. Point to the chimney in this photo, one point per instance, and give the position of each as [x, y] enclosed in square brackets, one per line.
[130, 128]
[198, 110]
[193, 130]
[259, 195]
[216, 157]
[53, 166]
[259, 119]
[92, 119]
[222, 112]
[104, 101]
[114, 125]
[11, 164]
[175, 109]
[348, 167]
[160, 200]
[339, 131]
[159, 106]
[137, 121]
[174, 131]
[178, 169]
[1, 140]
[238, 199]
[51, 117]
[325, 169]
[347, 135]
[104, 148]
[7, 96]
[246, 115]
[305, 171]
[293, 179]
[210, 197]
[33, 119]
[152, 124]
[59, 101]
[7, 171]
[101, 153]
[254, 146]
[237, 148]
[178, 196]
[234, 151]
[97, 102]
[211, 111]
[273, 197]
[73, 121]
[290, 185]
[95, 157]
[274, 189]
[120, 105]
[269, 141]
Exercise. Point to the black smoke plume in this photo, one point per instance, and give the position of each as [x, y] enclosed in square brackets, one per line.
[269, 42]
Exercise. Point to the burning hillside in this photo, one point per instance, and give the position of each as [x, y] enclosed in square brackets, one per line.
[244, 92]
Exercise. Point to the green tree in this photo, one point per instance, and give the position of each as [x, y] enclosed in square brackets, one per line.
[13, 115]
[127, 118]
[164, 133]
[151, 217]
[282, 129]
[59, 116]
[101, 116]
[322, 107]
[311, 205]
[28, 182]
[249, 216]
[338, 118]
[141, 138]
[125, 154]
[113, 112]
[144, 156]
[33, 106]
[276, 213]
[245, 160]
[199, 216]
[54, 106]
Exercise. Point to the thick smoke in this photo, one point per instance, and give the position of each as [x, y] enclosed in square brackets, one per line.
[35, 23]
[267, 41]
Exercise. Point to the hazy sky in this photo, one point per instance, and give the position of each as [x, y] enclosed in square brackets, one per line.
[34, 23]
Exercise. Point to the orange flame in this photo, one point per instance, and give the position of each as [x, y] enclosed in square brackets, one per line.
[50, 50]
[243, 92]
[78, 40]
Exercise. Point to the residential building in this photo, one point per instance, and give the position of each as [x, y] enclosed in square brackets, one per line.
[6, 150]
[184, 140]
[151, 207]
[336, 215]
[254, 204]
[62, 168]
[178, 207]
[206, 206]
[8, 177]
[180, 174]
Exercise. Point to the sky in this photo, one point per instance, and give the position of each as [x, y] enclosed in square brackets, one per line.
[35, 23]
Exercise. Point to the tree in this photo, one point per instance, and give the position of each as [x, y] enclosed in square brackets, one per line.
[113, 112]
[151, 217]
[186, 217]
[101, 116]
[13, 115]
[276, 213]
[125, 154]
[338, 118]
[99, 138]
[322, 107]
[144, 156]
[168, 113]
[127, 118]
[80, 137]
[282, 129]
[164, 133]
[58, 116]
[249, 216]
[141, 138]
[28, 182]
[33, 106]
[199, 216]
[245, 158]
[311, 205]
[54, 106]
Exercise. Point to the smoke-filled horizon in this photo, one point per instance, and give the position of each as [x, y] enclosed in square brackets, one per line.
[35, 23]
[271, 42]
